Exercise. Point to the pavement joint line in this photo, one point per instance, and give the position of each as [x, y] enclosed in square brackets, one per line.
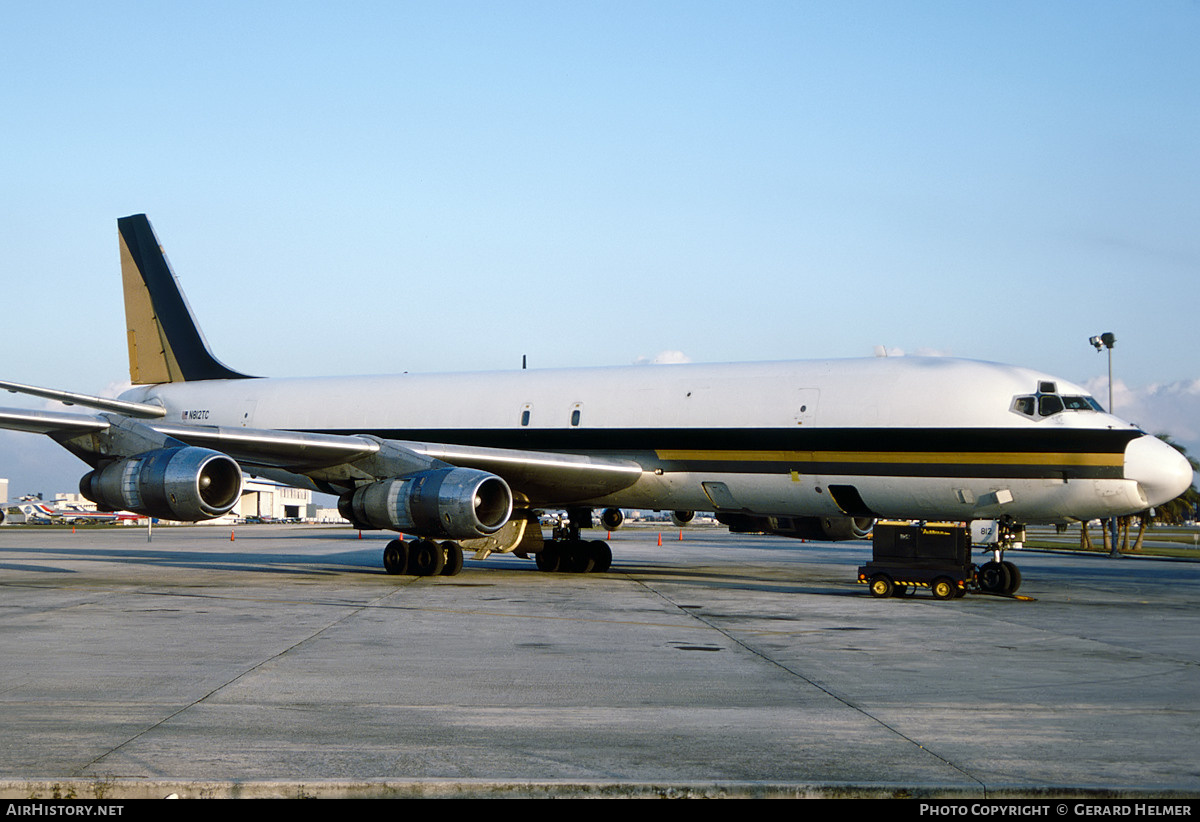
[341, 618]
[843, 700]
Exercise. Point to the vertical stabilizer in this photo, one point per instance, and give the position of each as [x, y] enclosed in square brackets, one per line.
[165, 344]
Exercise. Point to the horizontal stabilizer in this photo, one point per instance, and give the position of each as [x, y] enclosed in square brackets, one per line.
[49, 422]
[130, 409]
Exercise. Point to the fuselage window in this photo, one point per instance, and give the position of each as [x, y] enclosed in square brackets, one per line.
[575, 417]
[525, 417]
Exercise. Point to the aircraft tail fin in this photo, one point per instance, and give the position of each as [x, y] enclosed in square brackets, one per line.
[165, 344]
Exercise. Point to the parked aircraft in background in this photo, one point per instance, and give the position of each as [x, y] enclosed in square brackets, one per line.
[465, 461]
[35, 510]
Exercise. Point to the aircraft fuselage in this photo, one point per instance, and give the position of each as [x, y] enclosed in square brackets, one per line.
[921, 438]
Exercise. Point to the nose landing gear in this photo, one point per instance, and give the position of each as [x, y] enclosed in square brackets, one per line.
[1000, 576]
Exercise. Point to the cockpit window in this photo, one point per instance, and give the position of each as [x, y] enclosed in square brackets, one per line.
[1024, 405]
[1047, 403]
[1081, 404]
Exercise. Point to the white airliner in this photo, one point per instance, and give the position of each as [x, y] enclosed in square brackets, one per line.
[812, 449]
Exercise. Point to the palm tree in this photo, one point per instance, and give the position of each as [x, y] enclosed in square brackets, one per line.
[1182, 507]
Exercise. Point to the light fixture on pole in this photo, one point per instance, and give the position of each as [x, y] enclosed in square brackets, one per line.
[1101, 342]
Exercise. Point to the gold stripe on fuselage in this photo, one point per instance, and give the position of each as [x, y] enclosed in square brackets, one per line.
[899, 457]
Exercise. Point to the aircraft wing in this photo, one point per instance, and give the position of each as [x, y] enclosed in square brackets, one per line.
[541, 477]
[338, 460]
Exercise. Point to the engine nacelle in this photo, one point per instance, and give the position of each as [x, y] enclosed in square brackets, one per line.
[183, 483]
[682, 518]
[445, 503]
[611, 518]
[838, 528]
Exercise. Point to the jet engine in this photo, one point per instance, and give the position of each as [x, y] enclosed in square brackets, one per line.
[838, 528]
[444, 503]
[611, 518]
[682, 518]
[184, 483]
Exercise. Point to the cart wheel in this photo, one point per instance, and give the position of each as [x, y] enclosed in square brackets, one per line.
[901, 590]
[881, 586]
[943, 588]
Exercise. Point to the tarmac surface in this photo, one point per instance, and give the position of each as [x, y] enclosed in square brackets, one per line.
[287, 663]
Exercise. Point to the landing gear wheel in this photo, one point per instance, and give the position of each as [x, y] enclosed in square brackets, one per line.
[453, 554]
[1014, 577]
[943, 588]
[549, 558]
[395, 557]
[426, 558]
[577, 557]
[994, 578]
[601, 556]
[881, 586]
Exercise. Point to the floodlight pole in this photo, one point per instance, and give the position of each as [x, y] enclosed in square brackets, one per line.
[1099, 342]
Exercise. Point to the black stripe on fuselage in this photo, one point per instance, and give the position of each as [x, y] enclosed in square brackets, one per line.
[923, 452]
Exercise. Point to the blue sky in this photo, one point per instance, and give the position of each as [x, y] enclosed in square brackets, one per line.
[377, 187]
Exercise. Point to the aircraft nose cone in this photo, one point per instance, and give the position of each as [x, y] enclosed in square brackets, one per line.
[1161, 471]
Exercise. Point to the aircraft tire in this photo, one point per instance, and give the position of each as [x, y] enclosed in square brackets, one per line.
[549, 558]
[395, 557]
[577, 558]
[601, 556]
[1014, 577]
[454, 559]
[426, 559]
[994, 578]
[881, 586]
[943, 588]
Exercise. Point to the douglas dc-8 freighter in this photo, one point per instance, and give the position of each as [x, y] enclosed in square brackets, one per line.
[464, 461]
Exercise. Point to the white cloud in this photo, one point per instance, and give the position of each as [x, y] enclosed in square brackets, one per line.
[1160, 408]
[885, 351]
[663, 358]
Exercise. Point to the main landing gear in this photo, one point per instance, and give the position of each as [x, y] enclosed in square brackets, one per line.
[423, 558]
[569, 553]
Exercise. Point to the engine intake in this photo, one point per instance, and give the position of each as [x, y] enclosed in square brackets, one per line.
[612, 518]
[450, 503]
[183, 483]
